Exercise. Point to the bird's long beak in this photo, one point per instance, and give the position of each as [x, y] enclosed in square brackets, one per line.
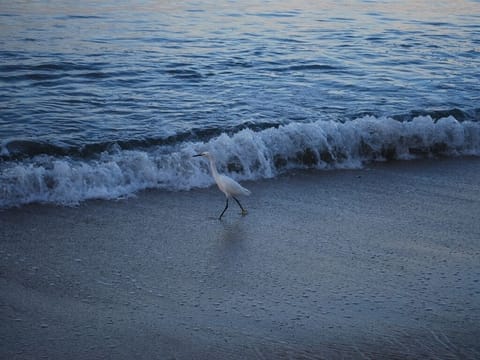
[197, 155]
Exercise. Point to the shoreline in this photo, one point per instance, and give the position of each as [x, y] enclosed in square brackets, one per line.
[380, 262]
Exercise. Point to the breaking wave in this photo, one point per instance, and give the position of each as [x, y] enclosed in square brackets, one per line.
[245, 155]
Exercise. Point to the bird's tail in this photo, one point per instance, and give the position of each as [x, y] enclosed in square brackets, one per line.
[246, 191]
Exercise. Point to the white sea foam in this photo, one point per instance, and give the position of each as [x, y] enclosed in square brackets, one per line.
[246, 155]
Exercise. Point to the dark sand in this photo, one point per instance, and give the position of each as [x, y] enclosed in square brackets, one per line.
[376, 263]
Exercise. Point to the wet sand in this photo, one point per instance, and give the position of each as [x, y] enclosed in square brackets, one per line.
[382, 262]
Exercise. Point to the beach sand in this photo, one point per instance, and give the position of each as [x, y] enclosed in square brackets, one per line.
[382, 262]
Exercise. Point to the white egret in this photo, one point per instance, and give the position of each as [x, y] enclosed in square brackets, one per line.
[227, 185]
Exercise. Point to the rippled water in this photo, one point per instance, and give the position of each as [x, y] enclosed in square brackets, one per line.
[78, 72]
[77, 77]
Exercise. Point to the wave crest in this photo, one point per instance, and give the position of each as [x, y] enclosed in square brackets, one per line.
[245, 155]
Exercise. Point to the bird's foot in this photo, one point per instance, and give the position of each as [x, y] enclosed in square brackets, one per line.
[244, 212]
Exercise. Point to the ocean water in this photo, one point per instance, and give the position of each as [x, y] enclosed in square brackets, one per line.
[103, 99]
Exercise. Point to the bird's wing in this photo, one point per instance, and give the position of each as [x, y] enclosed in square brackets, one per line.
[230, 187]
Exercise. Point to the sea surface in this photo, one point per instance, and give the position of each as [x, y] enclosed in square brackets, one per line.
[104, 99]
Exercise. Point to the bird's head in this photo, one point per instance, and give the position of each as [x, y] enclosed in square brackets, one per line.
[205, 154]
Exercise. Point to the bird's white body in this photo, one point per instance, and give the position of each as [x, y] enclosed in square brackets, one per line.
[226, 184]
[230, 187]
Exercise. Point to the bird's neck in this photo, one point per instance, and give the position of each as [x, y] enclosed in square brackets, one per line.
[213, 167]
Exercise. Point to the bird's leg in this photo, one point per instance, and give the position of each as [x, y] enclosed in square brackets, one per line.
[244, 212]
[226, 206]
